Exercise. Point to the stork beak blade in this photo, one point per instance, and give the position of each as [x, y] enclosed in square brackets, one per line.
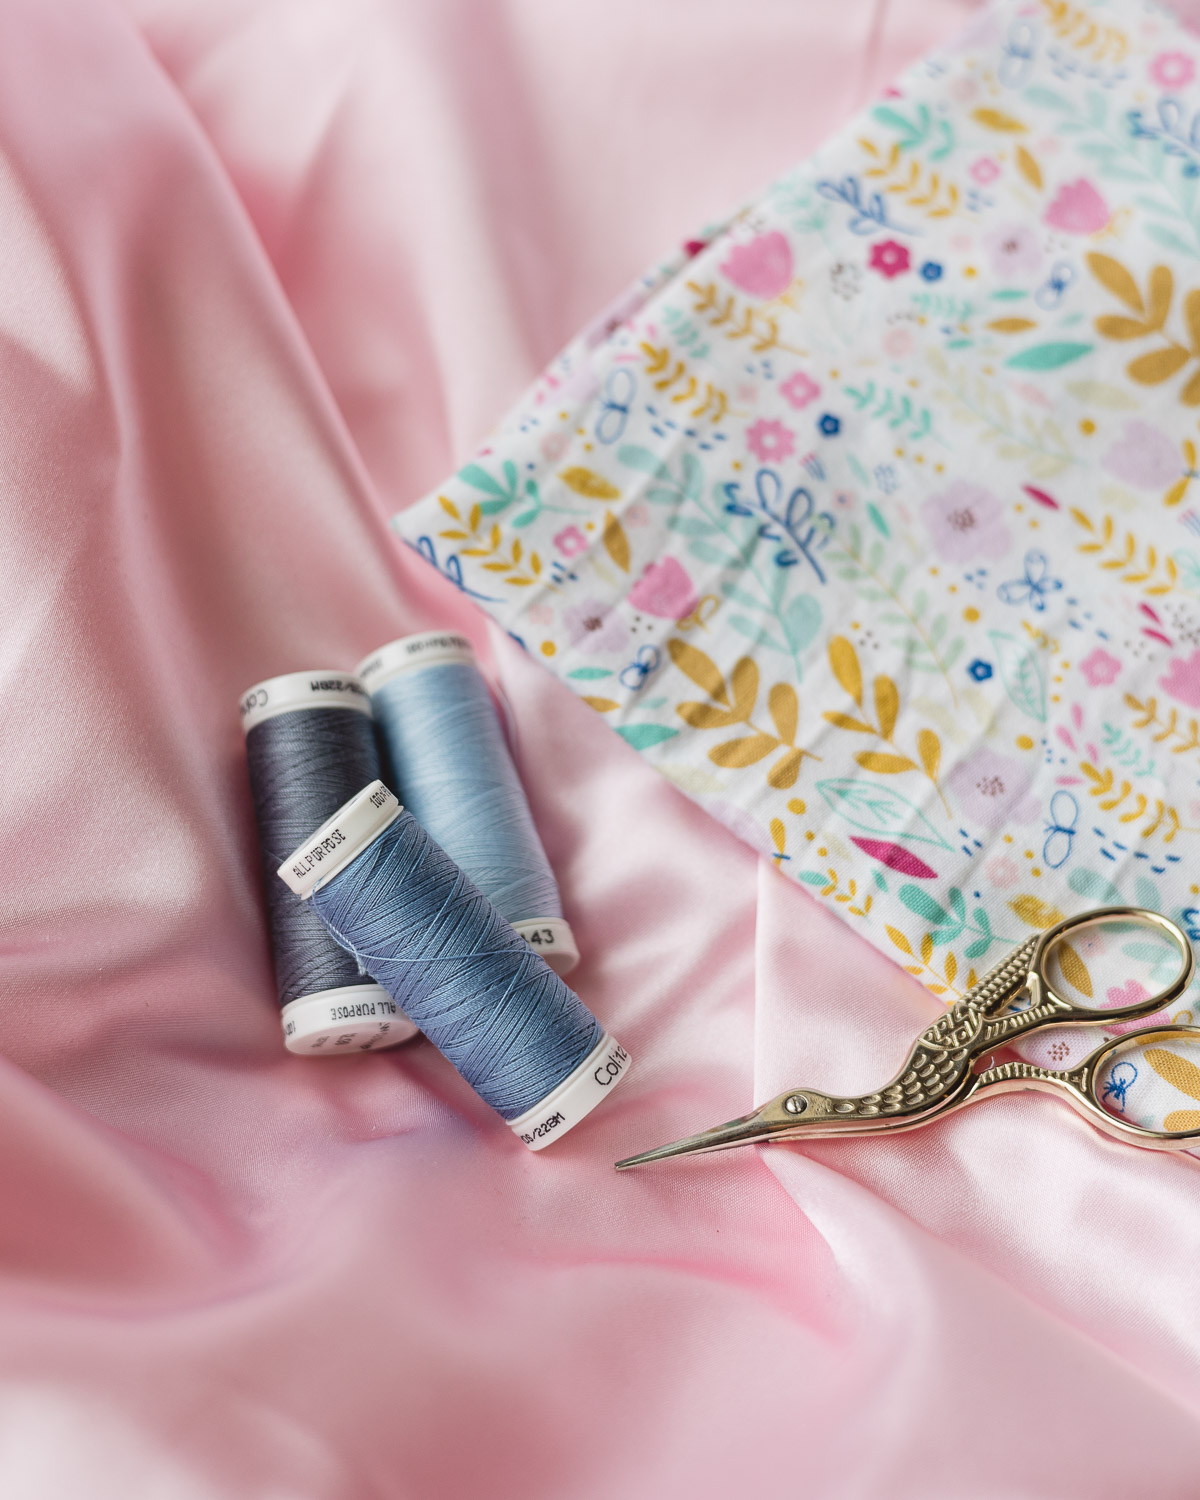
[744, 1131]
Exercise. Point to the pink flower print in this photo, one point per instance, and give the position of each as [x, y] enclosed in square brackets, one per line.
[991, 790]
[665, 590]
[799, 389]
[770, 441]
[984, 170]
[965, 521]
[763, 267]
[1003, 872]
[1077, 208]
[570, 541]
[1119, 995]
[1143, 456]
[889, 258]
[898, 343]
[1100, 668]
[637, 514]
[554, 445]
[1015, 251]
[594, 627]
[1172, 70]
[1183, 679]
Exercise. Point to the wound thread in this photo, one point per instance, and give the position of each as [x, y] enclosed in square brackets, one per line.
[451, 766]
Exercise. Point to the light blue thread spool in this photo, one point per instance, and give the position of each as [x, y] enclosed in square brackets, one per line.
[451, 765]
[525, 1042]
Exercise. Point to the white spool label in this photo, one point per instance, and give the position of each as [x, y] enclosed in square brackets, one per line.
[302, 690]
[590, 1084]
[356, 1018]
[340, 838]
[428, 649]
[552, 939]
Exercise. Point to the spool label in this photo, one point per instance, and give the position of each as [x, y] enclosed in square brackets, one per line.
[575, 1097]
[415, 651]
[301, 690]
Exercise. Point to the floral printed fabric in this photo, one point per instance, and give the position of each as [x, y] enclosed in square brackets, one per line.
[873, 520]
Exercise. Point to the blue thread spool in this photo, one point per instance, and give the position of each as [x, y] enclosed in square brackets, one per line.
[525, 1042]
[451, 765]
[310, 744]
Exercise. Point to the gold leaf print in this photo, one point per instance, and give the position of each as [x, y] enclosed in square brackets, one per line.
[1162, 287]
[601, 705]
[616, 543]
[1036, 913]
[449, 507]
[1011, 325]
[706, 716]
[785, 770]
[843, 658]
[929, 747]
[1074, 969]
[1157, 366]
[1184, 1075]
[1191, 313]
[887, 705]
[1121, 328]
[588, 483]
[743, 680]
[744, 752]
[844, 721]
[700, 668]
[1112, 274]
[1182, 1119]
[995, 119]
[778, 835]
[1190, 395]
[785, 710]
[951, 968]
[899, 939]
[885, 765]
[1029, 168]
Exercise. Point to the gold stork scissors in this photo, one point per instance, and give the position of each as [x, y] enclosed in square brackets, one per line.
[951, 1063]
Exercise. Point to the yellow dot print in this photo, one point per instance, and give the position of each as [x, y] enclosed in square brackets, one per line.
[548, 648]
[796, 806]
[1024, 742]
[970, 614]
[1087, 426]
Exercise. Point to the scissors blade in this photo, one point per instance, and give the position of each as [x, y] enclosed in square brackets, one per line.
[744, 1131]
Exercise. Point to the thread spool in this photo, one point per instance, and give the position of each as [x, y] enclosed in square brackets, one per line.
[525, 1042]
[451, 765]
[310, 744]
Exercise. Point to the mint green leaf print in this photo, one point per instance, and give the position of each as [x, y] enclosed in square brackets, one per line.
[480, 479]
[877, 520]
[642, 736]
[1047, 356]
[879, 809]
[1093, 887]
[921, 904]
[635, 457]
[801, 618]
[1021, 673]
[757, 634]
[589, 674]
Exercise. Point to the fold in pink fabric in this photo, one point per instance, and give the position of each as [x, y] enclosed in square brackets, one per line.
[267, 271]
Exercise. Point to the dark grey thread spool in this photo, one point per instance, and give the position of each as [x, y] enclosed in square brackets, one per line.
[310, 744]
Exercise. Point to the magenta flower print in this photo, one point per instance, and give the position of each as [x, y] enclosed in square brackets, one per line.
[665, 590]
[1183, 679]
[570, 541]
[1014, 251]
[1078, 208]
[889, 258]
[770, 441]
[763, 267]
[1172, 70]
[1100, 667]
[992, 789]
[799, 389]
[1143, 456]
[965, 522]
[593, 626]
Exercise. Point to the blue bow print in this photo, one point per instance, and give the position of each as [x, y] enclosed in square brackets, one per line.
[1033, 588]
[1060, 830]
[1053, 289]
[615, 403]
[635, 675]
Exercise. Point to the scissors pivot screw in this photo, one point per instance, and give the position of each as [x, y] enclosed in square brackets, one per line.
[795, 1104]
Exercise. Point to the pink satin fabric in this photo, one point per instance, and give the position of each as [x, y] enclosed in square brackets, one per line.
[268, 271]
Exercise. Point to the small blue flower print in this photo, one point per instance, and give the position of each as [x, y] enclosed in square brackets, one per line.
[980, 670]
[931, 271]
[830, 425]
